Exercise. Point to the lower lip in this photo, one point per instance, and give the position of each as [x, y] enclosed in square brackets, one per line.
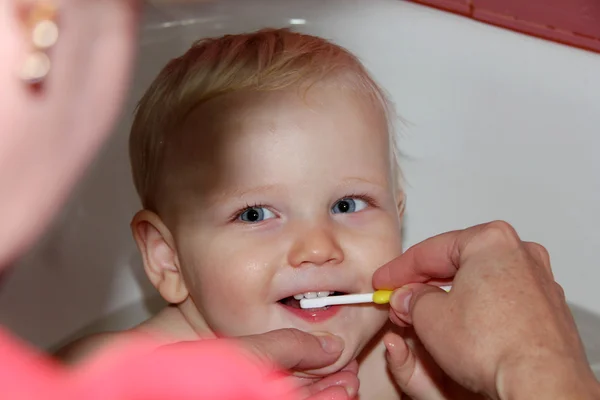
[314, 316]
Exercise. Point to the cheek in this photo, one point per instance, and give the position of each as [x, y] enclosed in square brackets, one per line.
[227, 283]
[377, 243]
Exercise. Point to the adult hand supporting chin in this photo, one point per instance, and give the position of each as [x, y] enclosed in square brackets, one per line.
[285, 361]
[303, 355]
[504, 330]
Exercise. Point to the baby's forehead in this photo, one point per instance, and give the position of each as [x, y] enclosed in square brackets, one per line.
[268, 133]
[318, 103]
[268, 60]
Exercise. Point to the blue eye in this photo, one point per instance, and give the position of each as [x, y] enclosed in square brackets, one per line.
[256, 214]
[350, 205]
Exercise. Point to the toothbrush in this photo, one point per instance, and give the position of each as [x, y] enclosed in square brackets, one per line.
[378, 297]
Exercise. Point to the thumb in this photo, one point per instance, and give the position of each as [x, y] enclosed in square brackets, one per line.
[425, 307]
[293, 349]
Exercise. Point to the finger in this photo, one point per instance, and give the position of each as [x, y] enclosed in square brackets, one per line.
[346, 380]
[439, 257]
[313, 376]
[408, 370]
[401, 361]
[294, 349]
[434, 258]
[404, 300]
[432, 317]
[332, 393]
[426, 308]
[540, 255]
[561, 292]
[397, 320]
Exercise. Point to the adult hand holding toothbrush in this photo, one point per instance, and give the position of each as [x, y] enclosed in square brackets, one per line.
[504, 330]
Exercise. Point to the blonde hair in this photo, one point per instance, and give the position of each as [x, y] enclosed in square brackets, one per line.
[270, 59]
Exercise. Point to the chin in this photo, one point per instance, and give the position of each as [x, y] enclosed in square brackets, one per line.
[353, 348]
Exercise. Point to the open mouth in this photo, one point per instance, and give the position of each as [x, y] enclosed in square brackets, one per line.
[294, 301]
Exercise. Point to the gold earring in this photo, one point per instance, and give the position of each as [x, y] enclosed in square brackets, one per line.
[40, 20]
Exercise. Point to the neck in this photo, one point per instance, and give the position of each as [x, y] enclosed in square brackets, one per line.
[177, 323]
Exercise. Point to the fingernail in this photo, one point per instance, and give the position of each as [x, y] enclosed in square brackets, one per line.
[330, 343]
[400, 301]
[390, 341]
[350, 390]
[389, 346]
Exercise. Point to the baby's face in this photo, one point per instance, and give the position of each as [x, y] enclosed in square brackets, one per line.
[289, 197]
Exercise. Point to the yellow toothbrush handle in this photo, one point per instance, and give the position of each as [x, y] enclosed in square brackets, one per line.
[382, 296]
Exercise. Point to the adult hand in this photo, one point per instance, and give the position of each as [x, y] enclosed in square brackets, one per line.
[303, 354]
[504, 330]
[289, 359]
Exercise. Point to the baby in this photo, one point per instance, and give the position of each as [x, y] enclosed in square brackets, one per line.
[268, 172]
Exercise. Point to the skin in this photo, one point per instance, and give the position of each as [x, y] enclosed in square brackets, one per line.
[97, 40]
[40, 127]
[292, 156]
[501, 285]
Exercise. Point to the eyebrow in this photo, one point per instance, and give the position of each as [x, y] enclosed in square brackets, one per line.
[369, 181]
[237, 193]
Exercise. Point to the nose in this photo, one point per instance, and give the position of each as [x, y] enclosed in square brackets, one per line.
[315, 246]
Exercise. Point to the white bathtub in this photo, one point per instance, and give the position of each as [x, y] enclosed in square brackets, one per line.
[501, 126]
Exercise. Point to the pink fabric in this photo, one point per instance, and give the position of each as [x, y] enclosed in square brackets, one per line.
[200, 370]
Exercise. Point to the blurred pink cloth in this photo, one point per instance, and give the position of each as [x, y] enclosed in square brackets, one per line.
[211, 369]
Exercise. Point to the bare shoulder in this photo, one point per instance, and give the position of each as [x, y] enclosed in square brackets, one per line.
[168, 326]
[81, 349]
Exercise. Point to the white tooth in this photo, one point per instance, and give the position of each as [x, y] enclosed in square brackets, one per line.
[323, 294]
[298, 296]
[310, 295]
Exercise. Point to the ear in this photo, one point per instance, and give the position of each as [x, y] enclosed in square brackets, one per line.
[401, 203]
[159, 254]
